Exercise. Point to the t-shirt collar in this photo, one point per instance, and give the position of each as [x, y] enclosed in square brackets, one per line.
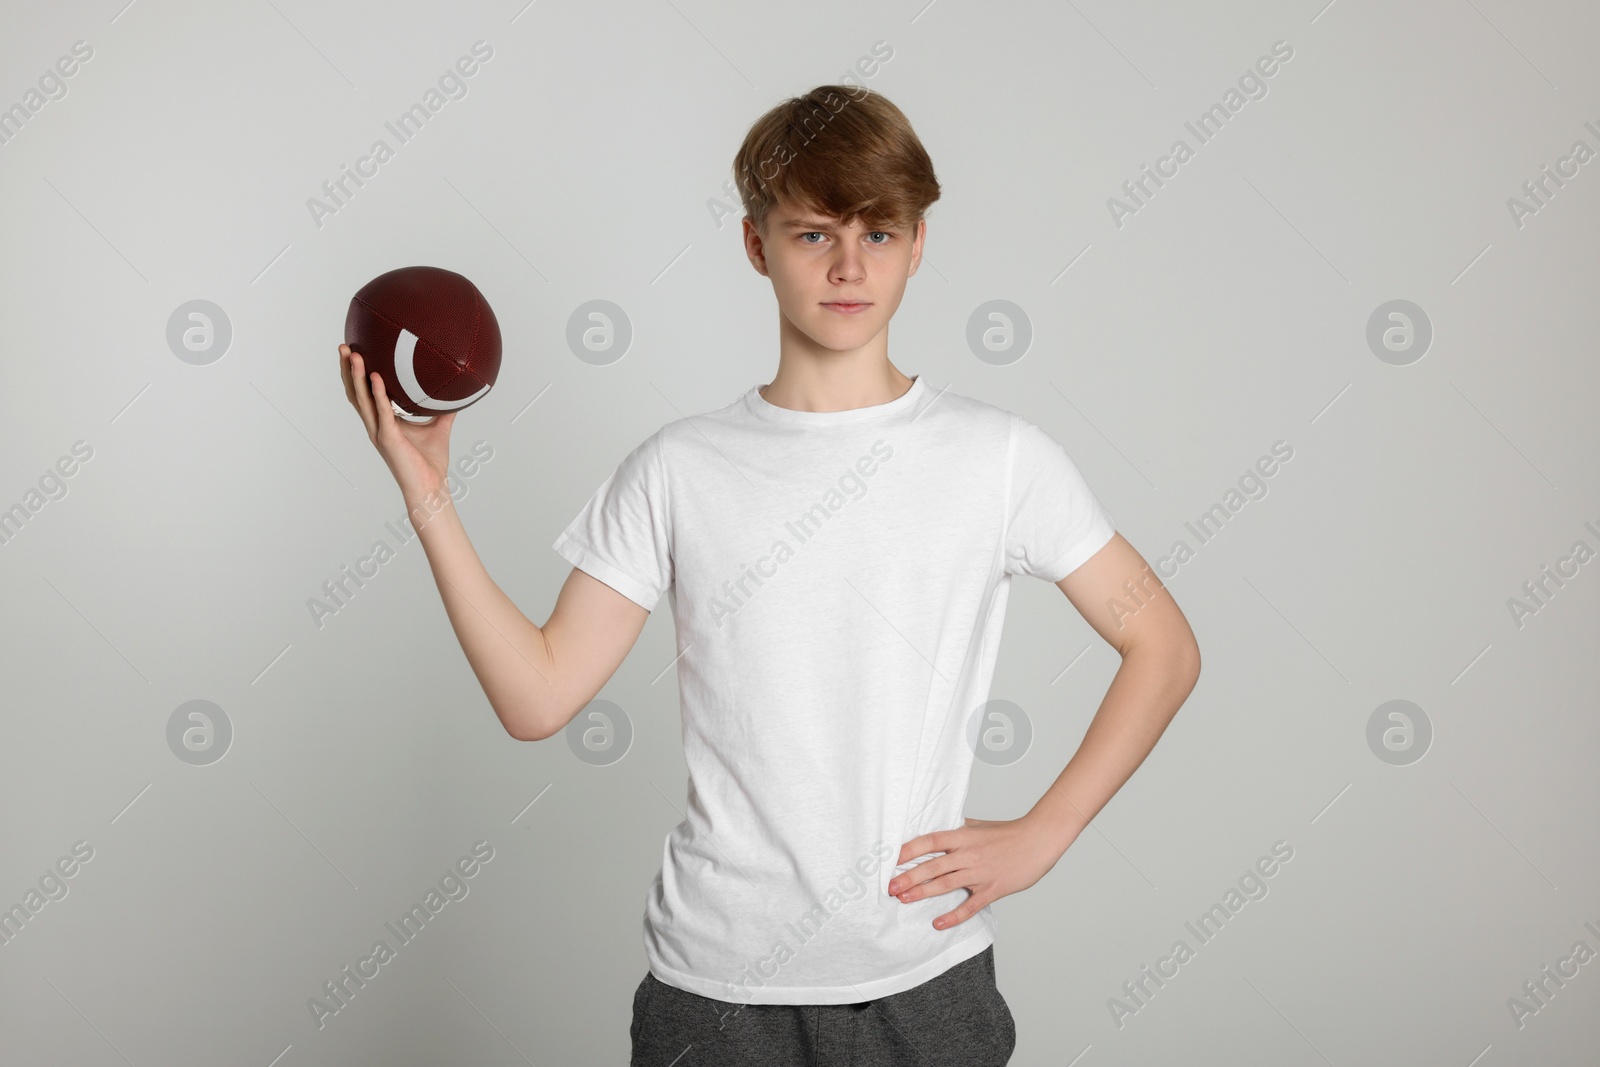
[761, 408]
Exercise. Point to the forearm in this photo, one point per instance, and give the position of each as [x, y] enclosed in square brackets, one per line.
[1149, 687]
[507, 651]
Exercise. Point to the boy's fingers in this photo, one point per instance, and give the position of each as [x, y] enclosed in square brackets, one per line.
[380, 400]
[345, 375]
[364, 404]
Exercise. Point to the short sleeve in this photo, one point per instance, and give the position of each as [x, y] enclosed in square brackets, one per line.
[1054, 522]
[623, 534]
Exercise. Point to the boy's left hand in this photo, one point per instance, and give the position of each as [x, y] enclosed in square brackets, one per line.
[990, 859]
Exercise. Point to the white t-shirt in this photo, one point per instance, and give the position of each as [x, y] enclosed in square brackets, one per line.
[838, 581]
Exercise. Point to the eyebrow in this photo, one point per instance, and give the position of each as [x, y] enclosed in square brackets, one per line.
[817, 224]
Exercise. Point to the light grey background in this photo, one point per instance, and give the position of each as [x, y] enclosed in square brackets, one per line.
[1169, 353]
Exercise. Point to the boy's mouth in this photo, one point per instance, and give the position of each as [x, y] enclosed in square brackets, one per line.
[846, 309]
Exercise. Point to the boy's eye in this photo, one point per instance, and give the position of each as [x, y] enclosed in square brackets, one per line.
[875, 233]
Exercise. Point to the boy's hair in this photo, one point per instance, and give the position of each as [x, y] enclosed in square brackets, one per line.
[843, 151]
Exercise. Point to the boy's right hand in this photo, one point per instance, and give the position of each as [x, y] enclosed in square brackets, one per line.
[418, 454]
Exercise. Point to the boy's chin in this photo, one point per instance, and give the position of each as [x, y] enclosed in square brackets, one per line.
[842, 339]
[834, 336]
[834, 343]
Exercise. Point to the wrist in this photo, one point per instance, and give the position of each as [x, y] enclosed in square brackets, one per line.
[1055, 824]
[425, 504]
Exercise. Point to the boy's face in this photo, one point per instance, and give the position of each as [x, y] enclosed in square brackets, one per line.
[838, 285]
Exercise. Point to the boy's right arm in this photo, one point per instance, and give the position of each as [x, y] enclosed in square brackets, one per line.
[536, 677]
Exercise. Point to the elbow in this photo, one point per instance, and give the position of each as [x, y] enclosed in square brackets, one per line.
[1189, 657]
[531, 723]
[1176, 659]
[525, 726]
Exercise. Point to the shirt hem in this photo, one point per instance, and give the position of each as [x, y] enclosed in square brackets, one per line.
[587, 560]
[855, 993]
[1098, 537]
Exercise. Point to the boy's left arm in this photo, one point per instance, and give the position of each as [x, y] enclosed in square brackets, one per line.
[1119, 595]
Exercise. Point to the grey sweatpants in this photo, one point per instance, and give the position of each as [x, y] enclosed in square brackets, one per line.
[955, 1018]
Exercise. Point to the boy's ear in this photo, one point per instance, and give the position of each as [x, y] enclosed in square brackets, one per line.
[754, 246]
[916, 246]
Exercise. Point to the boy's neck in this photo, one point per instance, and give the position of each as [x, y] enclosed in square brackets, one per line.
[839, 383]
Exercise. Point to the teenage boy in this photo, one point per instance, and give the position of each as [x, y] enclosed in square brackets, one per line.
[837, 547]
